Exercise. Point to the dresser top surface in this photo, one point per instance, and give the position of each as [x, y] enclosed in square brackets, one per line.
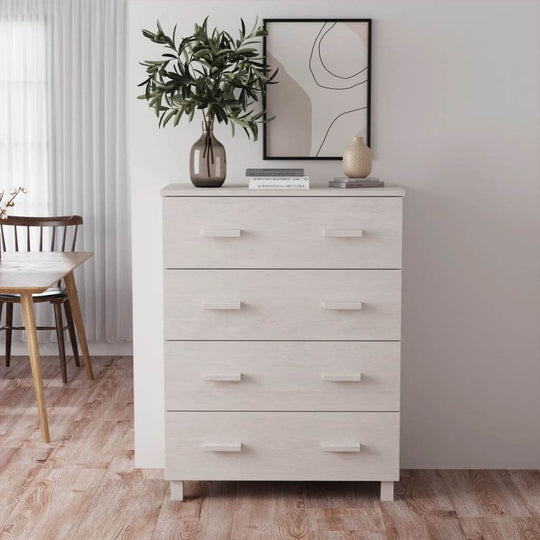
[241, 190]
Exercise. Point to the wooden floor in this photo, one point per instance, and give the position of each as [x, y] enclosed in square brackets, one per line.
[83, 485]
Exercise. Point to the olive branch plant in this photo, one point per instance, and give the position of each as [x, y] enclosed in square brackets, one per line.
[210, 71]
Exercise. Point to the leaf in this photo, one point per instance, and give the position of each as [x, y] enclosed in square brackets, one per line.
[246, 51]
[272, 77]
[224, 51]
[168, 116]
[178, 114]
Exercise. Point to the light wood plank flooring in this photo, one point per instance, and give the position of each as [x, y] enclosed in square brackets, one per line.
[83, 485]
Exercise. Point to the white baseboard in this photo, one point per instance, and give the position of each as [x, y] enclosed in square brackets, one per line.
[98, 348]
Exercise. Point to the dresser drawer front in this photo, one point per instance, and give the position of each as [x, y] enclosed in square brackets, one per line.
[282, 446]
[282, 304]
[282, 376]
[278, 232]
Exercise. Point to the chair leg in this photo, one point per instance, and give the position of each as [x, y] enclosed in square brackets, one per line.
[1, 309]
[9, 331]
[72, 335]
[60, 337]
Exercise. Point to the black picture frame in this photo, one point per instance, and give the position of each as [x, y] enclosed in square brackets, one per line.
[267, 126]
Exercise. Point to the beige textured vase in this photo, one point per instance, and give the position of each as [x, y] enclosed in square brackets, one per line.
[357, 159]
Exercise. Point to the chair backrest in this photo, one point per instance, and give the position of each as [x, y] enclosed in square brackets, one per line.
[24, 227]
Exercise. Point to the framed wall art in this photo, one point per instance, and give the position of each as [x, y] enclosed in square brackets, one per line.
[323, 96]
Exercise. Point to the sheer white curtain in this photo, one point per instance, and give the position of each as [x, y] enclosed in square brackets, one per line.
[23, 105]
[87, 56]
[82, 102]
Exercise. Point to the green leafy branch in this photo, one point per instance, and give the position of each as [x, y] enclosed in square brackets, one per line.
[210, 71]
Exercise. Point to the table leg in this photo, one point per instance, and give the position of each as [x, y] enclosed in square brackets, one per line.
[35, 363]
[77, 319]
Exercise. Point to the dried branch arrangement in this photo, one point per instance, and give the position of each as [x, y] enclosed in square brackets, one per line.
[9, 202]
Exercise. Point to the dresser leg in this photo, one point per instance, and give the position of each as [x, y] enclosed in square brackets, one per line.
[387, 491]
[177, 490]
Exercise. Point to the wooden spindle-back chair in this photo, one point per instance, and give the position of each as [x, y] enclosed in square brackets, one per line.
[55, 234]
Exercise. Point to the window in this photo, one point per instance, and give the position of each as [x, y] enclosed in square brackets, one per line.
[23, 113]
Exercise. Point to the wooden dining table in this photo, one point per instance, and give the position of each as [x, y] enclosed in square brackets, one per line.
[28, 273]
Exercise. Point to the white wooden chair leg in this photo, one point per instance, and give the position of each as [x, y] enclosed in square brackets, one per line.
[177, 490]
[387, 491]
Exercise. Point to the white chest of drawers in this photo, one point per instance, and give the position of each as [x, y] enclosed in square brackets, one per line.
[282, 329]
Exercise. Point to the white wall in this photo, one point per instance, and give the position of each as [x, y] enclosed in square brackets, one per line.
[456, 121]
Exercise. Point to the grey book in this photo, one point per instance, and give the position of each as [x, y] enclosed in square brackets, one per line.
[351, 185]
[353, 180]
[275, 172]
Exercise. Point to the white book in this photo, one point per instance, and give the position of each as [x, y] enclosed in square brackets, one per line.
[295, 182]
[278, 179]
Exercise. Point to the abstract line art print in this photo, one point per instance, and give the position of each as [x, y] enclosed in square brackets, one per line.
[322, 99]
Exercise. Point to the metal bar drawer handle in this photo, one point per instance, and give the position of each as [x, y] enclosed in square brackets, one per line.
[222, 305]
[339, 306]
[343, 233]
[221, 233]
[354, 377]
[347, 447]
[222, 377]
[223, 447]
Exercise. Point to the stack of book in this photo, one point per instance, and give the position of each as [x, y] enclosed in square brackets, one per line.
[346, 182]
[277, 179]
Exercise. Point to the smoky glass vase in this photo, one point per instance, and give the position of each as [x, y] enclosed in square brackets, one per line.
[207, 160]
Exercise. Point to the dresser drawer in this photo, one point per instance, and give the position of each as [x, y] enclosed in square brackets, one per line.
[282, 376]
[280, 232]
[282, 304]
[282, 446]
